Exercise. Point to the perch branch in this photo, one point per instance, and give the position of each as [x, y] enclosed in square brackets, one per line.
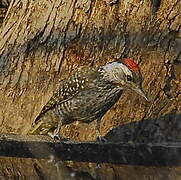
[42, 147]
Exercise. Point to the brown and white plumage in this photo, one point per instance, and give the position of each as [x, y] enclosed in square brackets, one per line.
[87, 95]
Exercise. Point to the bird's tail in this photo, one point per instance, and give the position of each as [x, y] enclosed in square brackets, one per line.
[44, 123]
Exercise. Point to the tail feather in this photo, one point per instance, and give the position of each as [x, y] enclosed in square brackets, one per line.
[44, 123]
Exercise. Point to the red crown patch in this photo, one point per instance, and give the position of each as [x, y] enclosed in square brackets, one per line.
[131, 64]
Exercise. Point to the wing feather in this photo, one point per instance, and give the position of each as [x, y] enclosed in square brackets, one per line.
[71, 86]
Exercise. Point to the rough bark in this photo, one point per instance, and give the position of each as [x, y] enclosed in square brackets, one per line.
[43, 41]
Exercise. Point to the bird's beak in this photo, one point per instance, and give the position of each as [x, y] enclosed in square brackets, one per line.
[141, 92]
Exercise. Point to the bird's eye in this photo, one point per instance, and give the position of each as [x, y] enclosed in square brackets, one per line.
[129, 78]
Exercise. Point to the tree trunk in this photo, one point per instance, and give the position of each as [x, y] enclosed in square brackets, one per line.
[43, 41]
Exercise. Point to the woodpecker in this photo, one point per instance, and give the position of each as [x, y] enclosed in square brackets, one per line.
[87, 95]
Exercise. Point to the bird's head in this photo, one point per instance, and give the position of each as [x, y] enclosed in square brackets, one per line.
[126, 74]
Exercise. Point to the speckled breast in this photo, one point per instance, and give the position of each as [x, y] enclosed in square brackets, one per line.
[89, 105]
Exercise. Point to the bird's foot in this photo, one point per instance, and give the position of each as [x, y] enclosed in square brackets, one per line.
[101, 139]
[56, 137]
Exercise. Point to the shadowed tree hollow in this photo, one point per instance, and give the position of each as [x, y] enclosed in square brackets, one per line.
[43, 41]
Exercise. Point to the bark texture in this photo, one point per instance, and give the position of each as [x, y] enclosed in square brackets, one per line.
[43, 41]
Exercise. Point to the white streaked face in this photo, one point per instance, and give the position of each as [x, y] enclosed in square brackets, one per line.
[121, 75]
[117, 72]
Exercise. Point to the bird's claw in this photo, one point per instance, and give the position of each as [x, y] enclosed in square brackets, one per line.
[58, 138]
[101, 139]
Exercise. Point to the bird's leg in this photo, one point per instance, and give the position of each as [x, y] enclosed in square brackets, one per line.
[99, 137]
[56, 134]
